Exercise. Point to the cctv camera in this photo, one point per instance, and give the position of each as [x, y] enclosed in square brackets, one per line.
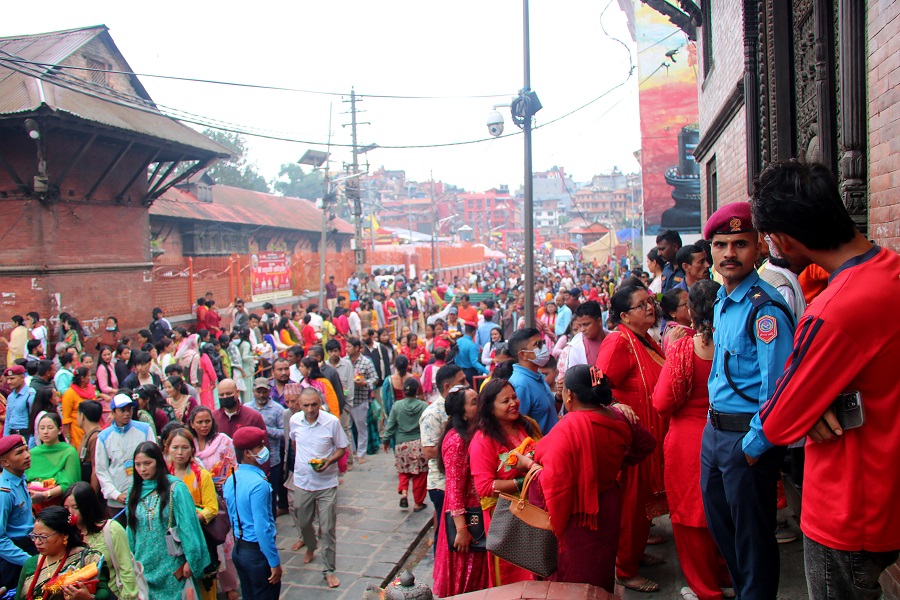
[495, 123]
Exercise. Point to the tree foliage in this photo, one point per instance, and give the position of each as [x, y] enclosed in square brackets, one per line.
[235, 171]
[294, 182]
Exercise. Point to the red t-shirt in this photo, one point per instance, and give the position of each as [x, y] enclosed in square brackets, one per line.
[468, 314]
[847, 340]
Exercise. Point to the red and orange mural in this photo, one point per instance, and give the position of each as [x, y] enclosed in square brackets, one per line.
[667, 64]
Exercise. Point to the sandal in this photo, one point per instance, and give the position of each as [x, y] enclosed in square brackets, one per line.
[650, 560]
[647, 586]
[420, 507]
[404, 502]
[656, 540]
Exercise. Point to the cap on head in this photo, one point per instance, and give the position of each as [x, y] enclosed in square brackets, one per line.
[120, 401]
[488, 313]
[10, 442]
[453, 311]
[247, 438]
[260, 382]
[731, 218]
[14, 370]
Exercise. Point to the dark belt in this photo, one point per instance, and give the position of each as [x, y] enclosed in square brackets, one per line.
[245, 544]
[22, 432]
[739, 423]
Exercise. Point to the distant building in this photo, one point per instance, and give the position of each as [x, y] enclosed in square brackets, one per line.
[492, 214]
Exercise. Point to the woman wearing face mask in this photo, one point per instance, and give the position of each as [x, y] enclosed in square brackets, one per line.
[180, 450]
[157, 499]
[110, 334]
[632, 363]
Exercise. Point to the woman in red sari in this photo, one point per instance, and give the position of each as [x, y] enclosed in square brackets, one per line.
[458, 571]
[632, 362]
[682, 395]
[501, 429]
[581, 459]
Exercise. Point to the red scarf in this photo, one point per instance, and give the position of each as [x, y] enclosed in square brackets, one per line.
[87, 393]
[680, 359]
[575, 456]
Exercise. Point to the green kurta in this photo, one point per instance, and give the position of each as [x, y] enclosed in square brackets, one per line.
[58, 460]
[148, 543]
[77, 558]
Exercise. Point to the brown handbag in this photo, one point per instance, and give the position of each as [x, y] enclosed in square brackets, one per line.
[520, 533]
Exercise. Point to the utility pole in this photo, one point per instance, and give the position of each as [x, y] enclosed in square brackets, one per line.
[352, 190]
[326, 200]
[529, 182]
[434, 223]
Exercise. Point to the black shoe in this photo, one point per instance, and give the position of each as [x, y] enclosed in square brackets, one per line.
[404, 502]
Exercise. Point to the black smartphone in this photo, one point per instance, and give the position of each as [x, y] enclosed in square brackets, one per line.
[848, 408]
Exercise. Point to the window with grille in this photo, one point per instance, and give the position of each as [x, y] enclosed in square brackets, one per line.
[98, 76]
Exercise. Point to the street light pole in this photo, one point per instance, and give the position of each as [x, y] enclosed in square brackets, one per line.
[323, 243]
[529, 191]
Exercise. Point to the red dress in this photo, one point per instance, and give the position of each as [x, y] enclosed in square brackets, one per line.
[633, 367]
[484, 459]
[456, 572]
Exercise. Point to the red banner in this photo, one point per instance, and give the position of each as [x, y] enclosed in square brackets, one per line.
[270, 276]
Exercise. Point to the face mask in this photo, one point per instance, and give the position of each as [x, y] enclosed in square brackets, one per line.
[541, 356]
[263, 456]
[227, 401]
[110, 328]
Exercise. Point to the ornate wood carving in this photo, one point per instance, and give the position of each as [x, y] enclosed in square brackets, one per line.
[804, 40]
[824, 79]
[765, 129]
[751, 83]
[853, 110]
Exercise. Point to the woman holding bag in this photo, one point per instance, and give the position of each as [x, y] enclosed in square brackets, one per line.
[160, 505]
[458, 570]
[180, 450]
[108, 538]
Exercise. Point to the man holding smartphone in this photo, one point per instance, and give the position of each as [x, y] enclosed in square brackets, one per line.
[846, 352]
[740, 468]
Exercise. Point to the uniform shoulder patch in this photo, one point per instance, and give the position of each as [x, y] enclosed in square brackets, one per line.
[766, 328]
[5, 489]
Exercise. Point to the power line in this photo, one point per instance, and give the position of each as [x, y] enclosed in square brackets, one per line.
[251, 85]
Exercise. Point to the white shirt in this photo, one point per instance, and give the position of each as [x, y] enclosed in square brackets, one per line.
[355, 324]
[40, 333]
[317, 440]
[296, 375]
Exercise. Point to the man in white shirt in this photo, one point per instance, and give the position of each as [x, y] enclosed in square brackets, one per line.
[317, 436]
[355, 323]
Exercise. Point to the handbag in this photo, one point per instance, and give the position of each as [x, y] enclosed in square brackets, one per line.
[173, 544]
[475, 521]
[142, 586]
[216, 530]
[520, 533]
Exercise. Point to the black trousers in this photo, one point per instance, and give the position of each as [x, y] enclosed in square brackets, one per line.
[740, 506]
[253, 571]
[9, 572]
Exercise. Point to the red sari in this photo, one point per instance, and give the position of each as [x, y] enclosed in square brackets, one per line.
[682, 394]
[582, 457]
[633, 367]
[486, 465]
[456, 572]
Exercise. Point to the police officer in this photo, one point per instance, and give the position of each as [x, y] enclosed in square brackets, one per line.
[16, 520]
[248, 498]
[753, 338]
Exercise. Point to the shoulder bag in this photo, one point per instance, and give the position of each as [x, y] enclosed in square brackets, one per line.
[142, 586]
[173, 543]
[520, 533]
[217, 529]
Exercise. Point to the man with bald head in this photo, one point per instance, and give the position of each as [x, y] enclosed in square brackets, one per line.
[233, 415]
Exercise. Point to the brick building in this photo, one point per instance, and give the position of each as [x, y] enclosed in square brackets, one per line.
[83, 154]
[491, 213]
[812, 79]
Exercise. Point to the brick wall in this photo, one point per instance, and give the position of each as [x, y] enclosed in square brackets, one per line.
[730, 149]
[884, 122]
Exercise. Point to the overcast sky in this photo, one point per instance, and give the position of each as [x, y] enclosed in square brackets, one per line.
[390, 47]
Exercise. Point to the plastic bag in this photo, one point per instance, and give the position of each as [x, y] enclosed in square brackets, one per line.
[190, 590]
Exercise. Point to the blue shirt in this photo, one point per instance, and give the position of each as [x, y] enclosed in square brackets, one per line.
[273, 415]
[535, 398]
[754, 364]
[16, 520]
[671, 277]
[468, 356]
[563, 318]
[251, 515]
[63, 380]
[484, 333]
[18, 405]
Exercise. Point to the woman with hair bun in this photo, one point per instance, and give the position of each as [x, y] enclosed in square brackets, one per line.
[402, 428]
[683, 396]
[581, 459]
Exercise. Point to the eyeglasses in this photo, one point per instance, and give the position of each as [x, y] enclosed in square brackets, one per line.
[645, 305]
[37, 538]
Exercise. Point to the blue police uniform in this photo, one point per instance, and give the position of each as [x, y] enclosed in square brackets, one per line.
[18, 406]
[248, 498]
[753, 339]
[671, 277]
[16, 522]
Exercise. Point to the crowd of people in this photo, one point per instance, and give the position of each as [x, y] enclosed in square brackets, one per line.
[679, 390]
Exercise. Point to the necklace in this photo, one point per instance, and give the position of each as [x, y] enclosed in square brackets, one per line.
[150, 504]
[39, 570]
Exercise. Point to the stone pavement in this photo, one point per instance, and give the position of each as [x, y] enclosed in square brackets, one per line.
[373, 535]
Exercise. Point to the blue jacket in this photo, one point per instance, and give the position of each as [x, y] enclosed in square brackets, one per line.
[251, 516]
[468, 355]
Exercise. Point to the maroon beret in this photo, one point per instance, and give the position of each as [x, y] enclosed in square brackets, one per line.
[731, 218]
[15, 370]
[247, 438]
[11, 442]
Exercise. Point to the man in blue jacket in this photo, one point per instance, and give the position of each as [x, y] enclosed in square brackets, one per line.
[468, 354]
[535, 398]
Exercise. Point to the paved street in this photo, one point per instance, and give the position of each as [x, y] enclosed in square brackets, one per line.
[373, 534]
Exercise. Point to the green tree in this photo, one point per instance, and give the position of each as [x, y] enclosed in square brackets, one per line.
[294, 182]
[235, 171]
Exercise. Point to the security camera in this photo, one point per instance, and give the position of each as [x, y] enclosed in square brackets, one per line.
[495, 123]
